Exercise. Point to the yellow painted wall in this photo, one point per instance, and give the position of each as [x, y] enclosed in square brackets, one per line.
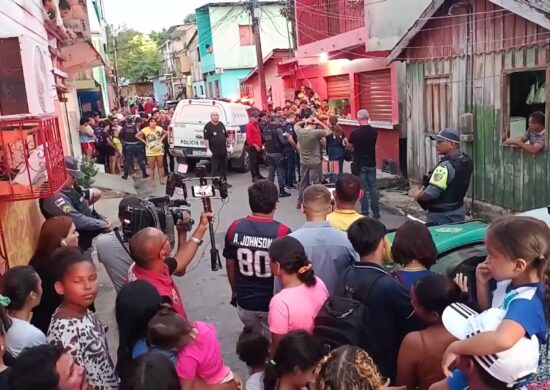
[20, 222]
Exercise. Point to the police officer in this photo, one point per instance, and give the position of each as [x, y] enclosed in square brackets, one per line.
[275, 141]
[132, 148]
[444, 188]
[71, 200]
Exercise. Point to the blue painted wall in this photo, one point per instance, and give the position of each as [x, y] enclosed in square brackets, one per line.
[159, 89]
[204, 33]
[231, 82]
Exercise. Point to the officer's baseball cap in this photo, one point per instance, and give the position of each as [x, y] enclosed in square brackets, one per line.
[71, 166]
[450, 135]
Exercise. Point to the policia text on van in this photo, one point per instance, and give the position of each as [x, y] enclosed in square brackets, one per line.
[444, 188]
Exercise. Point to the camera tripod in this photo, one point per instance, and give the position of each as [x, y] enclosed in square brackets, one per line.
[215, 261]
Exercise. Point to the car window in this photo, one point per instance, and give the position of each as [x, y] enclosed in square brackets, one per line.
[197, 114]
[450, 260]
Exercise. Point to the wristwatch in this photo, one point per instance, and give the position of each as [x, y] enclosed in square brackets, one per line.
[196, 240]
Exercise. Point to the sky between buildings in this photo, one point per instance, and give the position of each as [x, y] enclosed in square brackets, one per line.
[149, 15]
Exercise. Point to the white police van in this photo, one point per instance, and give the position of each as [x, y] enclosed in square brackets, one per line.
[186, 131]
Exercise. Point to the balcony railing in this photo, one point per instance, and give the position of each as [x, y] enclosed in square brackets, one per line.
[321, 19]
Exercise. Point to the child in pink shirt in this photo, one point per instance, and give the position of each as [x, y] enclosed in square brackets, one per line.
[298, 303]
[198, 352]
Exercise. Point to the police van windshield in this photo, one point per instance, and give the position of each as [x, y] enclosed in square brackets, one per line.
[197, 114]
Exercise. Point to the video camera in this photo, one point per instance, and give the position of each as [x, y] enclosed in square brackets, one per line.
[163, 212]
[160, 212]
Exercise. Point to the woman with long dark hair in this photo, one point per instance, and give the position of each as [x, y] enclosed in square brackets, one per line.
[22, 285]
[136, 304]
[294, 362]
[298, 303]
[56, 232]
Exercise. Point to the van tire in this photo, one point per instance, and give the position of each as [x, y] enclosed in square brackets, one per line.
[241, 164]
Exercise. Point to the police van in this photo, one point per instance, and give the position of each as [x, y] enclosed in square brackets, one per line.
[186, 136]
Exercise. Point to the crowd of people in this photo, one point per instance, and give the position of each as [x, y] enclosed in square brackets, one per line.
[302, 144]
[409, 328]
[123, 141]
[333, 305]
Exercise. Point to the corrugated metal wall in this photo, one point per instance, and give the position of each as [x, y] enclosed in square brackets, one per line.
[321, 19]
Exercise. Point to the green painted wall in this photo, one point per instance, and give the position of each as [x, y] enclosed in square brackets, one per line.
[504, 176]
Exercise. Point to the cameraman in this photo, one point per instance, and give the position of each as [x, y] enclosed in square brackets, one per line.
[113, 252]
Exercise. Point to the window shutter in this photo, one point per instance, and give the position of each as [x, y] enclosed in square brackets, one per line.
[13, 95]
[375, 94]
[338, 87]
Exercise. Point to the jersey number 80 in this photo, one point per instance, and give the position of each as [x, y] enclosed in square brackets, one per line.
[254, 263]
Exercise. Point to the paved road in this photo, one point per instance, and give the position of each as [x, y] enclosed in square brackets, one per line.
[206, 294]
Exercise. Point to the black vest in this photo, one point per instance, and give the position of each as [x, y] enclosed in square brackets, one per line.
[453, 197]
[129, 133]
[271, 138]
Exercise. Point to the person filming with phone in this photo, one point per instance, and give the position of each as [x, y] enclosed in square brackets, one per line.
[309, 139]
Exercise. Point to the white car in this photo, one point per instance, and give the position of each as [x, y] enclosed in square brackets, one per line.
[186, 131]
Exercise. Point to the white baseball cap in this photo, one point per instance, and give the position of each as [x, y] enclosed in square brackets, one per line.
[511, 366]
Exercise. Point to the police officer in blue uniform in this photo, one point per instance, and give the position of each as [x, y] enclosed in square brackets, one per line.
[444, 188]
[275, 141]
[74, 202]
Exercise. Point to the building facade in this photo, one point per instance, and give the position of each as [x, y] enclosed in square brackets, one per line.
[250, 86]
[36, 52]
[226, 43]
[177, 62]
[87, 20]
[340, 55]
[473, 69]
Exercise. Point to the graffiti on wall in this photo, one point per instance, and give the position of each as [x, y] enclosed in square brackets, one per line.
[21, 222]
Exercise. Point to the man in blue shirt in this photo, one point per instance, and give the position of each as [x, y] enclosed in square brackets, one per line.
[328, 249]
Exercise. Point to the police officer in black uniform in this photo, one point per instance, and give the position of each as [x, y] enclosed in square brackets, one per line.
[444, 188]
[72, 201]
[275, 141]
[132, 148]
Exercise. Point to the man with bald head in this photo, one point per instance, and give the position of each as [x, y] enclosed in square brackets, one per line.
[150, 249]
[328, 249]
[215, 142]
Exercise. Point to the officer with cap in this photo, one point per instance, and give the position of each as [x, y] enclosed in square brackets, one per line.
[73, 201]
[444, 188]
[275, 140]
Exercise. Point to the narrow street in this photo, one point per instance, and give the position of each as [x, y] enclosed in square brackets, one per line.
[206, 294]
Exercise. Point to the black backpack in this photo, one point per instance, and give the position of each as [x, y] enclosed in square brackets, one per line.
[343, 320]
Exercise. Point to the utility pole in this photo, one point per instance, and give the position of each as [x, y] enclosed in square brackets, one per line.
[255, 13]
[117, 88]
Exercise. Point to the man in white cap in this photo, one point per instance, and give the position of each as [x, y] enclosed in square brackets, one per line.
[444, 188]
[75, 202]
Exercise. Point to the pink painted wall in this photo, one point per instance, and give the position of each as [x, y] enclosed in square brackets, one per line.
[272, 80]
[314, 77]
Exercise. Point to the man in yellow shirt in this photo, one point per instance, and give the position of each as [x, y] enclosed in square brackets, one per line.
[348, 191]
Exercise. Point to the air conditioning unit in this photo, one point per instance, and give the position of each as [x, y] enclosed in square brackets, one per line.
[38, 74]
[218, 71]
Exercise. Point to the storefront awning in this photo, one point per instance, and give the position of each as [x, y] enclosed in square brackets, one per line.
[80, 56]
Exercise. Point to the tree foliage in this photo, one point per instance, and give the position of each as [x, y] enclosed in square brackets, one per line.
[190, 18]
[138, 55]
[160, 36]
